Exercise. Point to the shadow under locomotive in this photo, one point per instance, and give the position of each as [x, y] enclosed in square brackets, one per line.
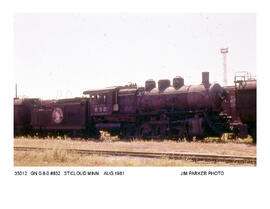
[167, 111]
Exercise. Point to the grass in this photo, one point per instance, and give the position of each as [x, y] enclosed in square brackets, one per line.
[229, 148]
[60, 157]
[63, 158]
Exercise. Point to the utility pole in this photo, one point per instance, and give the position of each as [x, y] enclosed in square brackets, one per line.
[16, 90]
[225, 51]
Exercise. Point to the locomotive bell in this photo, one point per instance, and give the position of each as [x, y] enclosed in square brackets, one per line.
[163, 84]
[178, 82]
[205, 78]
[150, 84]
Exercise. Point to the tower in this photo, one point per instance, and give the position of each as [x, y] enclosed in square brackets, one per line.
[224, 51]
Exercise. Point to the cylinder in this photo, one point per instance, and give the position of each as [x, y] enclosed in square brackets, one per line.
[205, 78]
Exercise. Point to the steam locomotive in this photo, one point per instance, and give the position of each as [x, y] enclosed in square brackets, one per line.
[163, 111]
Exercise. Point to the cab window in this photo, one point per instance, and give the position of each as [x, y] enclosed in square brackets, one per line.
[99, 98]
[93, 98]
[102, 98]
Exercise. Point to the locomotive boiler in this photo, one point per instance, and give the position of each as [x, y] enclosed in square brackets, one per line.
[180, 97]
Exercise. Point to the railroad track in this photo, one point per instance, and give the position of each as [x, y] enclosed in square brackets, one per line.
[176, 156]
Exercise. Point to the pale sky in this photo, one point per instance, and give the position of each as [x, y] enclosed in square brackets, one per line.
[60, 55]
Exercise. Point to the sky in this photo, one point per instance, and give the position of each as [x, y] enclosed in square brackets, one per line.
[60, 55]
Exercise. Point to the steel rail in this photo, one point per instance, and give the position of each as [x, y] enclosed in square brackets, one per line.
[176, 156]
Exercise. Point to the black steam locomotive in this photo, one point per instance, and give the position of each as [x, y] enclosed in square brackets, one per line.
[165, 111]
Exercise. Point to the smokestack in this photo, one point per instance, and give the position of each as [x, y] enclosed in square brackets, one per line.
[205, 78]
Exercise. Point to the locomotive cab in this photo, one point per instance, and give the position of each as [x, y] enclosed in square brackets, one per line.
[113, 109]
[103, 101]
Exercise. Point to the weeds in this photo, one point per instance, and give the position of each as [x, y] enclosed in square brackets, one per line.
[64, 158]
[58, 156]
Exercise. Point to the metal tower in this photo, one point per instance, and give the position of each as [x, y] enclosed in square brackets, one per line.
[224, 51]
